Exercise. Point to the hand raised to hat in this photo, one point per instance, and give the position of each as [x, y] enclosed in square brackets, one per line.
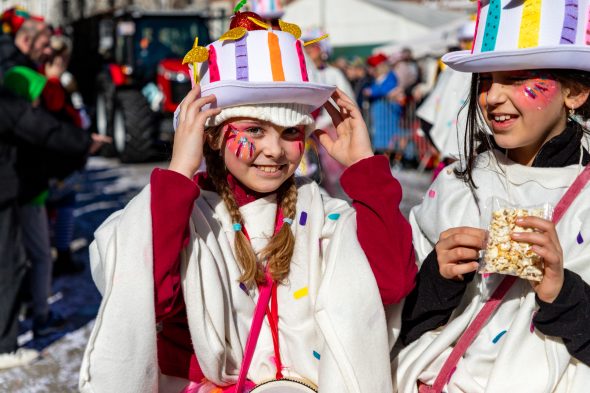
[187, 152]
[352, 142]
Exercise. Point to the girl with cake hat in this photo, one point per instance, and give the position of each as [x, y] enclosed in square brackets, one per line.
[244, 274]
[469, 332]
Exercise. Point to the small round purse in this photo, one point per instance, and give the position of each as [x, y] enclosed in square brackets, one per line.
[285, 385]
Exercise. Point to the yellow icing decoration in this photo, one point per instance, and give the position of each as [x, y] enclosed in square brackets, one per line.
[530, 24]
[290, 28]
[196, 74]
[316, 40]
[234, 34]
[301, 293]
[259, 23]
[198, 54]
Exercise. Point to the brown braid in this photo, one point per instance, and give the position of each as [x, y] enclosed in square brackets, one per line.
[279, 250]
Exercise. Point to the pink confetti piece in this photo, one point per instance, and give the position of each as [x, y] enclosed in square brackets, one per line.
[431, 194]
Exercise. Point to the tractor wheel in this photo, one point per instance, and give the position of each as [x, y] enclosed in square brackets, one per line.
[135, 128]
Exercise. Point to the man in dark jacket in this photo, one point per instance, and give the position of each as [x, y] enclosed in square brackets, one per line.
[20, 122]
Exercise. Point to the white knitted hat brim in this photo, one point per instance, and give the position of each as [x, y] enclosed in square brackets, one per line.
[282, 115]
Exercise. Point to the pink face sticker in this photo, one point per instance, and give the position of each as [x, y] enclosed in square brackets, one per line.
[239, 142]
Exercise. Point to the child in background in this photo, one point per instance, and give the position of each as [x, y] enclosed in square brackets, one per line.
[187, 268]
[468, 332]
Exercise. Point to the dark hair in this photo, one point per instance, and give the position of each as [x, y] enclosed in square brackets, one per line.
[477, 140]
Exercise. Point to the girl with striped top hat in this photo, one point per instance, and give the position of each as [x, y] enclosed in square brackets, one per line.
[467, 330]
[245, 278]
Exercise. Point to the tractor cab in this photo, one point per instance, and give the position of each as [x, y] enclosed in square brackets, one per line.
[143, 80]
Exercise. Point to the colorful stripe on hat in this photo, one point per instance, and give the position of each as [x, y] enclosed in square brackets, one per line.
[213, 67]
[570, 22]
[490, 33]
[276, 61]
[241, 59]
[302, 64]
[476, 25]
[530, 24]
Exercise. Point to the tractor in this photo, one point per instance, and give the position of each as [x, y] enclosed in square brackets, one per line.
[141, 79]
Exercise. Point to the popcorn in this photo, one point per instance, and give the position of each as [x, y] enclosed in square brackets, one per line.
[506, 256]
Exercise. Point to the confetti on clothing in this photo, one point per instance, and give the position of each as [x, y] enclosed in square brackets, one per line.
[303, 218]
[316, 355]
[532, 327]
[580, 239]
[334, 216]
[298, 294]
[431, 194]
[243, 288]
[499, 336]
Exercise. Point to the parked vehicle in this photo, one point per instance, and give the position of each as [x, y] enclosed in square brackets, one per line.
[140, 80]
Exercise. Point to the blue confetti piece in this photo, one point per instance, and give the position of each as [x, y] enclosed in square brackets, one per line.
[303, 218]
[316, 355]
[334, 216]
[580, 239]
[244, 288]
[499, 336]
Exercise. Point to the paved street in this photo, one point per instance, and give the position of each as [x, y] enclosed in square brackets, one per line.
[107, 186]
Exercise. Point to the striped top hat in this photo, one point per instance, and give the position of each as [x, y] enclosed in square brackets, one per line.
[268, 9]
[253, 64]
[527, 34]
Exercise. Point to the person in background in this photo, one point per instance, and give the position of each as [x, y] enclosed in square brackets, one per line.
[385, 114]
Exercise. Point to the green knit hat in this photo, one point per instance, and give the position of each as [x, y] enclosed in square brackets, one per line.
[25, 82]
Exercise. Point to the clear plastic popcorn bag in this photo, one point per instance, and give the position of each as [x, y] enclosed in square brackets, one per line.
[503, 254]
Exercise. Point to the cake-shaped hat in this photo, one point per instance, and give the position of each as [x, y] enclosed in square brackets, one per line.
[527, 34]
[254, 64]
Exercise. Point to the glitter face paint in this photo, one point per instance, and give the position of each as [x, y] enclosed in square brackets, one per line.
[239, 142]
[538, 90]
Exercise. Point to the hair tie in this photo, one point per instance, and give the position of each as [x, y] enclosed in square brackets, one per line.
[237, 226]
[288, 221]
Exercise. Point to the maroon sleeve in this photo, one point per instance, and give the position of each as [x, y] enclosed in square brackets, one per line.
[383, 232]
[172, 199]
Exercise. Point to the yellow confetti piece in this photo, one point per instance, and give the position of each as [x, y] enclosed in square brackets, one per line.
[260, 23]
[301, 293]
[316, 40]
[290, 28]
[198, 54]
[234, 34]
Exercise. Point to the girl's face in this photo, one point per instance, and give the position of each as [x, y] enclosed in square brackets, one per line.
[260, 154]
[524, 109]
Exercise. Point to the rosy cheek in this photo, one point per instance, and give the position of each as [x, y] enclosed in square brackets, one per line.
[239, 143]
[538, 92]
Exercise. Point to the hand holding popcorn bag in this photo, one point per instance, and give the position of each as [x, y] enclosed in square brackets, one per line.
[503, 254]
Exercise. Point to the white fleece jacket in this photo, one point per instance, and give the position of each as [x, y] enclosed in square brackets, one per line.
[332, 323]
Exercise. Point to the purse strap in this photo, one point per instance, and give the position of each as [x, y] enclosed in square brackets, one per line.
[259, 313]
[496, 299]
